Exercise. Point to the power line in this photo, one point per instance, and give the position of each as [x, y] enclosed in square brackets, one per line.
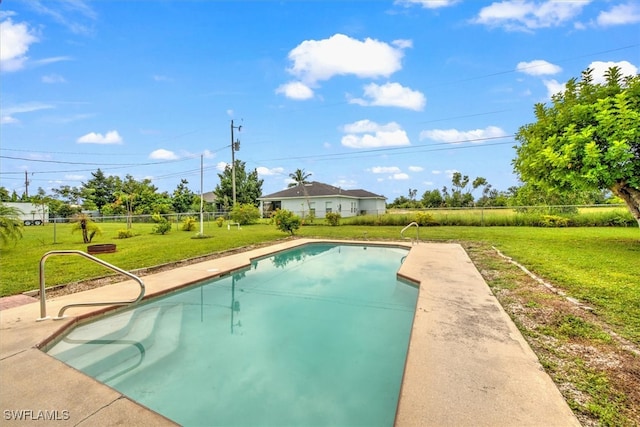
[450, 145]
[116, 165]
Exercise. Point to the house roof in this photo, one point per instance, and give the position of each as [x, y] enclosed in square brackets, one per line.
[318, 189]
[209, 197]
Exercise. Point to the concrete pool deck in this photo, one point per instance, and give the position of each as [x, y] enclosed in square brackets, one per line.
[468, 365]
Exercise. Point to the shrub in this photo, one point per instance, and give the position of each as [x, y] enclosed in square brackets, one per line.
[554, 221]
[189, 224]
[163, 226]
[220, 221]
[309, 218]
[286, 221]
[423, 218]
[332, 218]
[245, 214]
[124, 234]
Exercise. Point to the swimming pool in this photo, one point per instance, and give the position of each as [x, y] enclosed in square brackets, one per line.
[316, 335]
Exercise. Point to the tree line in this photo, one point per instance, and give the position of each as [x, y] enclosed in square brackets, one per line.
[110, 195]
[464, 193]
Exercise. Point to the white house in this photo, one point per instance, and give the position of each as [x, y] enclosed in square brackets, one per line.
[322, 198]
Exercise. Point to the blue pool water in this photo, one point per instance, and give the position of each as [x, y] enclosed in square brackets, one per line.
[309, 337]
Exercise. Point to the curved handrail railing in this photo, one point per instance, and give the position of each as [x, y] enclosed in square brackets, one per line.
[417, 231]
[43, 301]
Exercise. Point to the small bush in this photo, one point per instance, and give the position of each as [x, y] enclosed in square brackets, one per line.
[163, 226]
[245, 214]
[124, 234]
[332, 218]
[309, 218]
[554, 221]
[189, 224]
[423, 218]
[286, 221]
[220, 221]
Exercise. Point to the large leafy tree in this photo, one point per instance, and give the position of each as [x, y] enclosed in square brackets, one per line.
[248, 186]
[101, 189]
[587, 138]
[183, 197]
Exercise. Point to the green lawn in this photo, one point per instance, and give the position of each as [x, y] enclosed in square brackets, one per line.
[600, 266]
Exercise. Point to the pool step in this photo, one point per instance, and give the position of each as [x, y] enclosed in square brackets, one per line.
[133, 339]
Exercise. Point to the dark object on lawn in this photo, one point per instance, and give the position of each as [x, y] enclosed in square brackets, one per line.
[105, 248]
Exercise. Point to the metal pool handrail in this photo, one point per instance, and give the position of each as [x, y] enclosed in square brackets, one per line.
[43, 301]
[417, 232]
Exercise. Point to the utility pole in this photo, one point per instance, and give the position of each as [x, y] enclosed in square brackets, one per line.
[235, 146]
[26, 183]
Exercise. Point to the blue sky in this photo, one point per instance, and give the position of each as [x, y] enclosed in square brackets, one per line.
[385, 96]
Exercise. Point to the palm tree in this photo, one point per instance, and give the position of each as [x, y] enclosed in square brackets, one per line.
[10, 224]
[84, 223]
[299, 177]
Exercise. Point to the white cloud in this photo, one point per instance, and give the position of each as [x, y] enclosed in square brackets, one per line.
[295, 90]
[7, 115]
[391, 95]
[368, 134]
[600, 68]
[455, 136]
[53, 78]
[51, 60]
[450, 172]
[111, 137]
[345, 183]
[553, 87]
[416, 168]
[403, 43]
[399, 176]
[621, 14]
[263, 171]
[221, 166]
[520, 15]
[162, 154]
[361, 126]
[427, 4]
[538, 67]
[317, 60]
[74, 177]
[385, 169]
[8, 120]
[70, 13]
[15, 40]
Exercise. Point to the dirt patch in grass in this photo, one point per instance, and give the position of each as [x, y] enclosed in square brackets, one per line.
[597, 371]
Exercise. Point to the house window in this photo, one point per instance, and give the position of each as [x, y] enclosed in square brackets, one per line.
[312, 208]
[328, 207]
[354, 207]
